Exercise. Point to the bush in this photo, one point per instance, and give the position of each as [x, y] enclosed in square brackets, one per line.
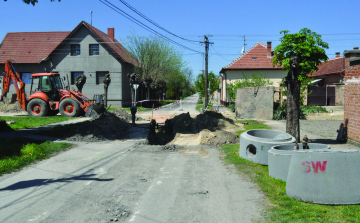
[200, 102]
[280, 112]
[232, 107]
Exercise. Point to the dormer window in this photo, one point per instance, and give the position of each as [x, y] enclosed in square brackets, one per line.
[254, 58]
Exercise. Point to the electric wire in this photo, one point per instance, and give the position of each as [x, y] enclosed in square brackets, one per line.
[121, 12]
[154, 23]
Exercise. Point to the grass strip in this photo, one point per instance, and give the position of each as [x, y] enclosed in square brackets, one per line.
[19, 153]
[251, 124]
[23, 122]
[284, 208]
[199, 107]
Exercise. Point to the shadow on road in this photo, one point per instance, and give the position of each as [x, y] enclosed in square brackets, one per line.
[43, 182]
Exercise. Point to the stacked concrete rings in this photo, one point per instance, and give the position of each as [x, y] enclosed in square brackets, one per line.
[279, 157]
[325, 176]
[254, 144]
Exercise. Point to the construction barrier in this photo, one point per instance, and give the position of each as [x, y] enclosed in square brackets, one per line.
[279, 157]
[325, 176]
[254, 144]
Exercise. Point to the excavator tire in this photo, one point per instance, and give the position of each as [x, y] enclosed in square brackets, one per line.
[37, 108]
[69, 108]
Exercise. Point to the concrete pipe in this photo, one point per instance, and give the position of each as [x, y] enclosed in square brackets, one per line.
[279, 157]
[325, 176]
[254, 144]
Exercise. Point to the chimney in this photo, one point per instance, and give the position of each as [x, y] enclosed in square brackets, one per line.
[269, 49]
[111, 34]
[337, 54]
[356, 48]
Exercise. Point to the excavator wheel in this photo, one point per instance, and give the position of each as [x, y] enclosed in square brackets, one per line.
[37, 108]
[69, 107]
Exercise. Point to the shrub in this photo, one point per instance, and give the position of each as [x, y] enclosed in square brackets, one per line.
[280, 112]
[232, 107]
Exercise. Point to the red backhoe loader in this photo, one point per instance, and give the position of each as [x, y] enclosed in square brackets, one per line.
[49, 96]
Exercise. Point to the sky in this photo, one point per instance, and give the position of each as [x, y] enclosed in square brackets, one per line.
[225, 22]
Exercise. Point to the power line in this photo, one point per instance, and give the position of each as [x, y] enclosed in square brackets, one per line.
[154, 23]
[121, 12]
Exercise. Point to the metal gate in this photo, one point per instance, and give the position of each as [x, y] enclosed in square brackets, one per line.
[321, 95]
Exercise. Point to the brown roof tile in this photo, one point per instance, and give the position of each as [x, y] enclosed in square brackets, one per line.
[255, 58]
[30, 47]
[333, 66]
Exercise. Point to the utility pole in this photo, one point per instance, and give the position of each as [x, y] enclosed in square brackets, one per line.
[206, 41]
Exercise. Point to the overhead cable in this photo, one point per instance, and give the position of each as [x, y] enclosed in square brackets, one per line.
[154, 23]
[121, 12]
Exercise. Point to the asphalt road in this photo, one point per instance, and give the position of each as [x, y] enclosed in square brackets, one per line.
[127, 181]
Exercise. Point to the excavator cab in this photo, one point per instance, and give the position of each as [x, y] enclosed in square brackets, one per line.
[48, 84]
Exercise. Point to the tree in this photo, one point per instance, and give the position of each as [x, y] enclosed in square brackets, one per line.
[200, 83]
[33, 2]
[254, 81]
[157, 61]
[300, 54]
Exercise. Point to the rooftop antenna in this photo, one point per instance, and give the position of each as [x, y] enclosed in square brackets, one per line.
[91, 17]
[243, 49]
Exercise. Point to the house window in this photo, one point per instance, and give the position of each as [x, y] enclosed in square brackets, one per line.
[100, 76]
[254, 58]
[26, 78]
[94, 49]
[74, 75]
[75, 49]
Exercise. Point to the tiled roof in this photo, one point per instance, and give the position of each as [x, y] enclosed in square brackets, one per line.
[30, 47]
[254, 58]
[333, 66]
[33, 47]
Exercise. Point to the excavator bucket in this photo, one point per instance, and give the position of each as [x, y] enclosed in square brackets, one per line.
[96, 108]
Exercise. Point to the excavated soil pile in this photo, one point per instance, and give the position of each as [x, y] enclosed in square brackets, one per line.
[209, 128]
[125, 115]
[122, 114]
[107, 126]
[10, 108]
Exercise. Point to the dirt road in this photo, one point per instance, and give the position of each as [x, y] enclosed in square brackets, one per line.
[127, 181]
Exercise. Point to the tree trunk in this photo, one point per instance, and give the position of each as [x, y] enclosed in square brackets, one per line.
[293, 109]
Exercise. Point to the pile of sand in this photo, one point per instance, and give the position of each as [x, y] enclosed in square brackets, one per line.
[10, 108]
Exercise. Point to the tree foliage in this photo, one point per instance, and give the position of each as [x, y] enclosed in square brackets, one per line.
[300, 54]
[200, 83]
[33, 2]
[307, 45]
[160, 67]
[255, 81]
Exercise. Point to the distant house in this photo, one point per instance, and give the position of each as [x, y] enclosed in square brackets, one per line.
[84, 50]
[255, 60]
[327, 87]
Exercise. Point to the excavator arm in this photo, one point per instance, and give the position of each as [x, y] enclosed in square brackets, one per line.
[10, 72]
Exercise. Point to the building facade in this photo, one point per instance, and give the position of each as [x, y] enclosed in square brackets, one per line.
[83, 51]
[256, 60]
